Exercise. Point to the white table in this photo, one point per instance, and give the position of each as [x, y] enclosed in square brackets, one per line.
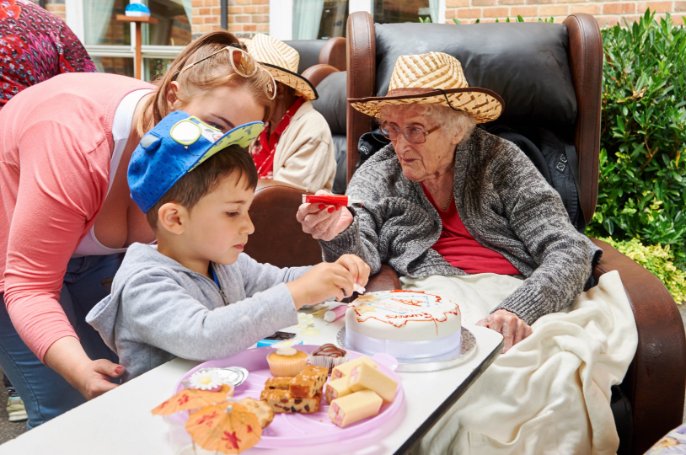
[120, 421]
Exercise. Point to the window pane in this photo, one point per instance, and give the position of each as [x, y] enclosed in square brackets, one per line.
[155, 68]
[173, 28]
[116, 65]
[101, 25]
[334, 17]
[389, 11]
[319, 18]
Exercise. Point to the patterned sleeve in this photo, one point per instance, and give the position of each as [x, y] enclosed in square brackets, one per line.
[73, 57]
[35, 45]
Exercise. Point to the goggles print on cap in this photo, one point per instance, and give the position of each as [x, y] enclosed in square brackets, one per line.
[173, 148]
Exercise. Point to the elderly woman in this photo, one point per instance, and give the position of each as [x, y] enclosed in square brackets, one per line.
[446, 199]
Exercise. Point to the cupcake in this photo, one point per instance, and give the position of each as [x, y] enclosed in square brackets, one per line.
[328, 355]
[286, 361]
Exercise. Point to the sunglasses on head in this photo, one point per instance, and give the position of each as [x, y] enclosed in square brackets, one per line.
[242, 64]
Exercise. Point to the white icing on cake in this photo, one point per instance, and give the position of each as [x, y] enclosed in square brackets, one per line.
[403, 323]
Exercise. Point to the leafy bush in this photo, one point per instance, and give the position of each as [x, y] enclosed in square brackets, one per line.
[642, 190]
[658, 260]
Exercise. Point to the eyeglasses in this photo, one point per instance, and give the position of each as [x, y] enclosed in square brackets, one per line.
[414, 134]
[242, 64]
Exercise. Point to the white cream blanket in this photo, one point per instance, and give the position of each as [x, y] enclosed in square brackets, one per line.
[551, 392]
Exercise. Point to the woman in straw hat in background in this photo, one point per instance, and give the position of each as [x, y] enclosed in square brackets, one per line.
[66, 215]
[446, 199]
[296, 146]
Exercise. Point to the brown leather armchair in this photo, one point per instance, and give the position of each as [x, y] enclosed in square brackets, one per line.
[550, 76]
[330, 51]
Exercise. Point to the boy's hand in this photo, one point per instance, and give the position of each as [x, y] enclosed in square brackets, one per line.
[355, 265]
[327, 280]
[323, 221]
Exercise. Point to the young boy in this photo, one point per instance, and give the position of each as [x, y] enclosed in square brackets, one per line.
[194, 295]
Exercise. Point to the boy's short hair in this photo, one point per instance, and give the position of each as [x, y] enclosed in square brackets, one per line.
[179, 144]
[204, 178]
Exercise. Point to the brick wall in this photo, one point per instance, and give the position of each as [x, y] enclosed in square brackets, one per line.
[56, 7]
[205, 16]
[247, 17]
[605, 12]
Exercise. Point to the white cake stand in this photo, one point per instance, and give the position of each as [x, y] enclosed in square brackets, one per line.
[441, 362]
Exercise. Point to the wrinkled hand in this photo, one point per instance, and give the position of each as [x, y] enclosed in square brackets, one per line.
[329, 280]
[94, 377]
[323, 221]
[509, 325]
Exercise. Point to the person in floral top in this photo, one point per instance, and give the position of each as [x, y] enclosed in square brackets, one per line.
[34, 46]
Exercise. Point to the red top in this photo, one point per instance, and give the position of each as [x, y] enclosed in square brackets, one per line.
[265, 147]
[461, 250]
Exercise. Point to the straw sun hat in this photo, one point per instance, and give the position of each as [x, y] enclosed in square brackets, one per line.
[433, 78]
[281, 60]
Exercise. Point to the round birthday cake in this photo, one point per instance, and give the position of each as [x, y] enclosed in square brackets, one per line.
[405, 324]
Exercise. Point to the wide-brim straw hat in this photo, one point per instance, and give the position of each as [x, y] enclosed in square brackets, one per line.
[433, 78]
[281, 60]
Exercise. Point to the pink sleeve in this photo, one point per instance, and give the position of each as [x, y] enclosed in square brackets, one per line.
[62, 184]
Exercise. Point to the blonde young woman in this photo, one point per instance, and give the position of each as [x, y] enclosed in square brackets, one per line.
[66, 215]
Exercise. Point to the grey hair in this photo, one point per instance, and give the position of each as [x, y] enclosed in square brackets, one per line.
[453, 121]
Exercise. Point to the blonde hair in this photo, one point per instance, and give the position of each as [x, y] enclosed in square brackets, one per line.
[217, 71]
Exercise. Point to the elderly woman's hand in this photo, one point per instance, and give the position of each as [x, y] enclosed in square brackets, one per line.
[323, 221]
[509, 325]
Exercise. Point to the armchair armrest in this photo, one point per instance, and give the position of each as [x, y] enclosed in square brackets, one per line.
[317, 73]
[333, 53]
[656, 378]
[278, 237]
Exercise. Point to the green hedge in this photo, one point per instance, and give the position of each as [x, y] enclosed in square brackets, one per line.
[642, 193]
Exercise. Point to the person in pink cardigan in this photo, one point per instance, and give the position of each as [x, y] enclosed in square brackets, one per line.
[66, 215]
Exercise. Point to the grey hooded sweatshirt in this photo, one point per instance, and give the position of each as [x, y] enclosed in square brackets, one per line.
[159, 309]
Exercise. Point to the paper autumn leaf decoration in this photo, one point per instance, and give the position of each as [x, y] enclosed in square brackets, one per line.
[191, 399]
[227, 428]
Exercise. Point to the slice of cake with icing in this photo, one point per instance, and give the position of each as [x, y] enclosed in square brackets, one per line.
[406, 324]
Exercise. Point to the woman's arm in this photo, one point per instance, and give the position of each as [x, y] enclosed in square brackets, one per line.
[90, 377]
[563, 256]
[58, 193]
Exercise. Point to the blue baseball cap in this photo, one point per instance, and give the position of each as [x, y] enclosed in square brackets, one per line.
[174, 147]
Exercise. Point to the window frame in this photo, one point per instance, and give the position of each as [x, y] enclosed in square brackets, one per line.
[75, 20]
[281, 15]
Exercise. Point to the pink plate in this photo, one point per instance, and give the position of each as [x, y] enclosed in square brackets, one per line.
[297, 430]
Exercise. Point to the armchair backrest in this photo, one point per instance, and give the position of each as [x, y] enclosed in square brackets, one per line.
[313, 51]
[548, 74]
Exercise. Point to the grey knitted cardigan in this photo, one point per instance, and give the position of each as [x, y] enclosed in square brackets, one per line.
[503, 201]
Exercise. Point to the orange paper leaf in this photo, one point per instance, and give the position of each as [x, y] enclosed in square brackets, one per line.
[189, 399]
[227, 428]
